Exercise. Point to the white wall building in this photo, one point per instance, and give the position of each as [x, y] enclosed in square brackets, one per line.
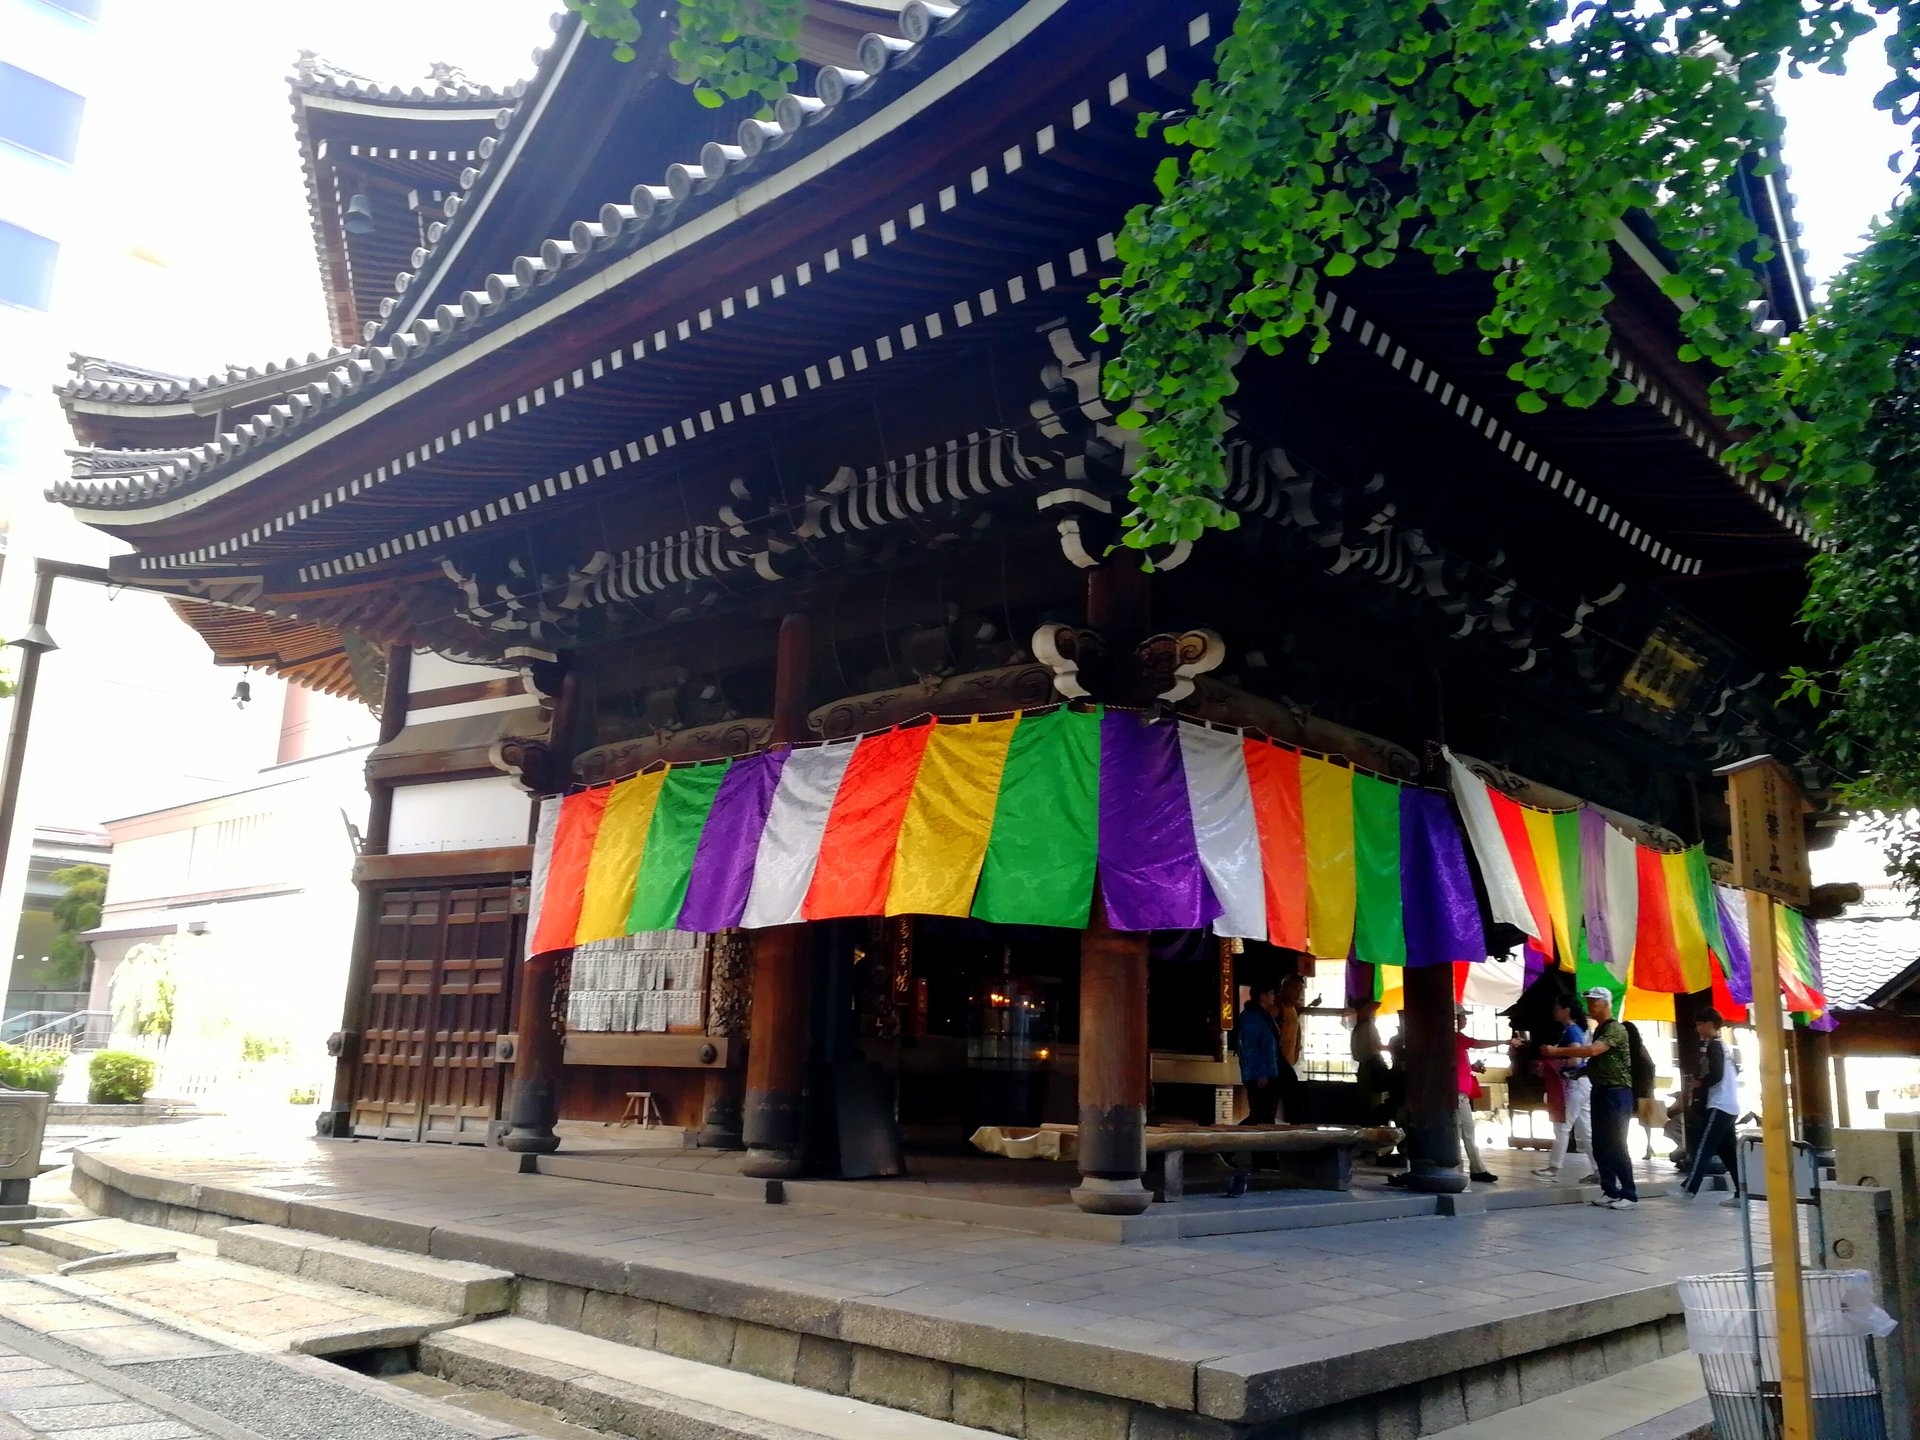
[245, 899]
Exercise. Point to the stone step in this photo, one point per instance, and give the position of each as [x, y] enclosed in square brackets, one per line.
[91, 1239]
[1662, 1400]
[456, 1286]
[630, 1391]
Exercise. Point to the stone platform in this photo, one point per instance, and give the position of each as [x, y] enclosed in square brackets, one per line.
[1032, 1195]
[1392, 1327]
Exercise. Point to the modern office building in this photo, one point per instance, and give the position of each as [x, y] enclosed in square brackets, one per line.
[47, 53]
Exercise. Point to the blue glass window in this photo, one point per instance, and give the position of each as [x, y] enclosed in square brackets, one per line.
[38, 114]
[26, 267]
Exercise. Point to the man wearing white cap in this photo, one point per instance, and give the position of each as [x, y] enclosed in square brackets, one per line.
[1610, 1071]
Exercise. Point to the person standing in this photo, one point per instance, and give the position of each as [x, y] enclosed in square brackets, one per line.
[1610, 1073]
[1575, 1124]
[1469, 1086]
[1719, 1083]
[1259, 1045]
[1370, 1068]
[1290, 1023]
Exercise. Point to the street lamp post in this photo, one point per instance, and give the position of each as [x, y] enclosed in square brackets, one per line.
[33, 642]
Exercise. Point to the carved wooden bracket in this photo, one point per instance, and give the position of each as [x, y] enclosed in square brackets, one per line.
[705, 742]
[1161, 668]
[979, 692]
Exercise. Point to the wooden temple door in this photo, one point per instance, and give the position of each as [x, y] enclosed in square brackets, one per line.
[442, 973]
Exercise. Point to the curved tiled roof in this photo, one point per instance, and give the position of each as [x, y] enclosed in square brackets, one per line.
[321, 89]
[1860, 953]
[116, 381]
[839, 13]
[313, 74]
[647, 211]
[95, 460]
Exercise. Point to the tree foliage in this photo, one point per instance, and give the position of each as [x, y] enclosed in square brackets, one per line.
[84, 891]
[1857, 369]
[1516, 138]
[725, 49]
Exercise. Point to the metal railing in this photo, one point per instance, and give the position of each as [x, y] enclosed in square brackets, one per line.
[77, 1030]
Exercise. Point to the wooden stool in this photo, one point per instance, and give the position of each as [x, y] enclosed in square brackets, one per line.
[640, 1110]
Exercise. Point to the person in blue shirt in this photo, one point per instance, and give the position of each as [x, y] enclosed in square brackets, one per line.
[1570, 1029]
[1259, 1047]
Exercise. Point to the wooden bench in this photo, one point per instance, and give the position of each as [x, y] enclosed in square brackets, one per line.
[1311, 1157]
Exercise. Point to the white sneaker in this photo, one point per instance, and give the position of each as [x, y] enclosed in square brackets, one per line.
[1603, 1201]
[1732, 1202]
[1545, 1172]
[1623, 1204]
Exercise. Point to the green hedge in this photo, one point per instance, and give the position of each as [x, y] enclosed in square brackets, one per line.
[23, 1069]
[118, 1077]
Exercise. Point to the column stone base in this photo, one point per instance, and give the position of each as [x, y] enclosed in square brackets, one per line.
[1111, 1197]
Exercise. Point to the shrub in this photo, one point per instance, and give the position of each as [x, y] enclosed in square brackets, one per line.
[306, 1096]
[24, 1069]
[118, 1077]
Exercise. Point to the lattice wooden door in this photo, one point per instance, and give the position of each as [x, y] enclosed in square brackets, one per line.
[442, 975]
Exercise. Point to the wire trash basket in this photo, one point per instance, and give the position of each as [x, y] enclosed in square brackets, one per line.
[1734, 1329]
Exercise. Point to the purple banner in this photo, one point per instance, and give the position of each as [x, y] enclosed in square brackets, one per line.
[1593, 887]
[1438, 908]
[723, 863]
[1733, 927]
[1150, 875]
[1825, 1020]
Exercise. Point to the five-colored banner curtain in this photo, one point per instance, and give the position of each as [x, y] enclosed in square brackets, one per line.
[1174, 824]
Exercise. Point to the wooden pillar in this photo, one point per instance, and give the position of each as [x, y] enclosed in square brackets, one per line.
[538, 1052]
[729, 1003]
[1433, 1082]
[1114, 1072]
[536, 1058]
[774, 1118]
[1813, 1089]
[1842, 1097]
[337, 1118]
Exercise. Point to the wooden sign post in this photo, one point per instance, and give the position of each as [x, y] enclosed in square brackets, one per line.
[1770, 862]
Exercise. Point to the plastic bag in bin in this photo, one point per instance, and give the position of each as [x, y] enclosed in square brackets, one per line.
[1840, 1314]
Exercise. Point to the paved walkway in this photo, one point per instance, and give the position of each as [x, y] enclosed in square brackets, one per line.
[1194, 1300]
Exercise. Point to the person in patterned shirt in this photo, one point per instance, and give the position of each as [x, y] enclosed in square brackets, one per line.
[1610, 1072]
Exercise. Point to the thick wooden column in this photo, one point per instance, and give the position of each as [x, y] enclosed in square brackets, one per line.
[729, 1002]
[536, 1059]
[1433, 1082]
[1114, 1072]
[533, 1105]
[1813, 1089]
[774, 1120]
[337, 1118]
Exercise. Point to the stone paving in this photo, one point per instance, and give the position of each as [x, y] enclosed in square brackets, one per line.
[1192, 1299]
[75, 1365]
[37, 1398]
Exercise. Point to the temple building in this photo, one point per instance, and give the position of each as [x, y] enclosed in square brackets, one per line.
[720, 512]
